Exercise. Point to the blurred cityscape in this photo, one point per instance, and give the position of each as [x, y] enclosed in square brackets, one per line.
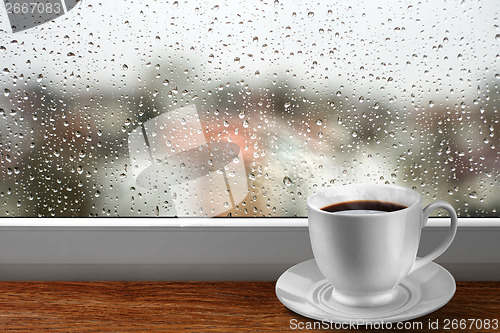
[64, 150]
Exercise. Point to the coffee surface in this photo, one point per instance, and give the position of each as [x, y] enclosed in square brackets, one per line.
[364, 205]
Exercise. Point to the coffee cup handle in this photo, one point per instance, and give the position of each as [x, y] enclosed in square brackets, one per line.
[419, 262]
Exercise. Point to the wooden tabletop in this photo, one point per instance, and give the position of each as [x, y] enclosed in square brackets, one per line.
[198, 307]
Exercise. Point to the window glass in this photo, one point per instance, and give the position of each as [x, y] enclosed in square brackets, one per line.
[202, 108]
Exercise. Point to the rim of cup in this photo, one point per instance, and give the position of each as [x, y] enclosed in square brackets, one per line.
[415, 197]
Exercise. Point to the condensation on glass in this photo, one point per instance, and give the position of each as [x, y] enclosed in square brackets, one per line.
[303, 96]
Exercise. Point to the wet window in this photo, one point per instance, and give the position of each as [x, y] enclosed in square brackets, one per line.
[203, 108]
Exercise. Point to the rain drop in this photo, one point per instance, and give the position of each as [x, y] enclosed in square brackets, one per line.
[287, 181]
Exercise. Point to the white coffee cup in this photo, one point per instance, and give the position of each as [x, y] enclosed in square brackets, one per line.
[365, 255]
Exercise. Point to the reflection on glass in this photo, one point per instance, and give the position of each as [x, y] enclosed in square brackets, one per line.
[170, 156]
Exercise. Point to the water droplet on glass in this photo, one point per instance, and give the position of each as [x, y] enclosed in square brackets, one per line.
[287, 181]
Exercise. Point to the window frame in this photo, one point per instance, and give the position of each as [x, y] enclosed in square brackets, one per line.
[202, 248]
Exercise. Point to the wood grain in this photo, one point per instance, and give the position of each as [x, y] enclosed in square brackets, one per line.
[189, 307]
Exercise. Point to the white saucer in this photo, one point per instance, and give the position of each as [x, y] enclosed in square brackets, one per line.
[304, 290]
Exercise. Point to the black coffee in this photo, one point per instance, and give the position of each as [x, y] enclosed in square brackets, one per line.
[364, 205]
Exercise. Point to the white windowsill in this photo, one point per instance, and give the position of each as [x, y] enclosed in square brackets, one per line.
[233, 222]
[202, 249]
